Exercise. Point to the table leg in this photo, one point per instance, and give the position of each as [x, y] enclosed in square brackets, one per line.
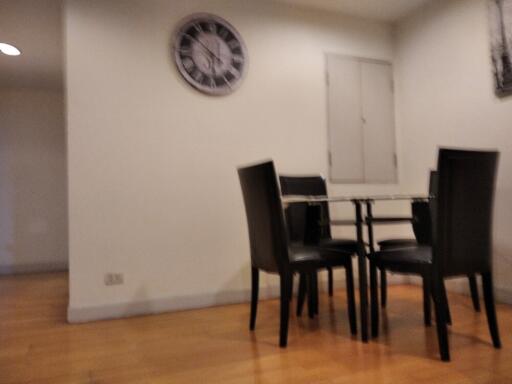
[363, 283]
[312, 237]
[373, 274]
[314, 291]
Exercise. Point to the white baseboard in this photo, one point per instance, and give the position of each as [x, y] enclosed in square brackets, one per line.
[460, 285]
[503, 295]
[33, 268]
[162, 305]
[171, 304]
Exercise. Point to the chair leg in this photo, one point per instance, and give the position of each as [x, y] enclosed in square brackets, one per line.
[330, 282]
[444, 298]
[301, 296]
[490, 308]
[363, 294]
[255, 279]
[440, 310]
[474, 292]
[311, 298]
[383, 288]
[290, 287]
[286, 294]
[427, 293]
[374, 299]
[314, 292]
[351, 299]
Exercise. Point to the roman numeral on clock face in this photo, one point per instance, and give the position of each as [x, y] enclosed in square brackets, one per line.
[235, 72]
[197, 75]
[222, 32]
[233, 44]
[188, 64]
[186, 51]
[238, 58]
[212, 27]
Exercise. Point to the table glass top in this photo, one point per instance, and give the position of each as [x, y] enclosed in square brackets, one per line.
[290, 199]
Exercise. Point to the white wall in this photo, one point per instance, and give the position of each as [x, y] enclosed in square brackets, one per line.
[153, 187]
[446, 98]
[33, 196]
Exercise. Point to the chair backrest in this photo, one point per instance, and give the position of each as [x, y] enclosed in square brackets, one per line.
[265, 219]
[463, 210]
[296, 214]
[422, 220]
[433, 182]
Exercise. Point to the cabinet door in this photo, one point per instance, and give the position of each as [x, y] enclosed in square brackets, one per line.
[344, 119]
[361, 121]
[378, 112]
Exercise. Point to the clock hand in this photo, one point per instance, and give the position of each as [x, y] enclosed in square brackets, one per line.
[218, 50]
[204, 46]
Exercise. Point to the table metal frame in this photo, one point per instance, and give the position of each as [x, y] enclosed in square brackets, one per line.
[358, 202]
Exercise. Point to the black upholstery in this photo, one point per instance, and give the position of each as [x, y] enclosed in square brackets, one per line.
[397, 243]
[297, 222]
[315, 257]
[270, 249]
[463, 238]
[348, 245]
[462, 235]
[421, 222]
[422, 227]
[296, 213]
[419, 254]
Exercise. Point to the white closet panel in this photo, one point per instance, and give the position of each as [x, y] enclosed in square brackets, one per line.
[361, 120]
[345, 136]
[378, 122]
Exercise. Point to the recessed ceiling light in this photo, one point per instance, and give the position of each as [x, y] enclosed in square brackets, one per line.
[10, 50]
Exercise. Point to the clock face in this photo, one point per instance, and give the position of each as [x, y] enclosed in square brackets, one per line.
[210, 54]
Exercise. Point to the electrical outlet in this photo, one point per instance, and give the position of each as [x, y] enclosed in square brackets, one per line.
[114, 279]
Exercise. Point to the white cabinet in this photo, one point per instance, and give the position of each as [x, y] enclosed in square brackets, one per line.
[361, 120]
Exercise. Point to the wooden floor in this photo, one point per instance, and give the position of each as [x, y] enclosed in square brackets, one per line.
[215, 346]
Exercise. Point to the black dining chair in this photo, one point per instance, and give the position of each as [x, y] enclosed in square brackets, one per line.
[461, 211]
[422, 229]
[271, 250]
[296, 220]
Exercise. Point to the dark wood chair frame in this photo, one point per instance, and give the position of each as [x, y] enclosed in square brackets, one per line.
[421, 223]
[311, 224]
[271, 251]
[371, 221]
[461, 241]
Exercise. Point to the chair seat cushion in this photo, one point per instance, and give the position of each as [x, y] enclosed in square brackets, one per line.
[421, 254]
[395, 243]
[316, 257]
[347, 245]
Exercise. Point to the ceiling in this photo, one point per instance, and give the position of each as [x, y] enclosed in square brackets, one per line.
[35, 27]
[382, 10]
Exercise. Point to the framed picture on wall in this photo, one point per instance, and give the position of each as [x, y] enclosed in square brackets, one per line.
[501, 44]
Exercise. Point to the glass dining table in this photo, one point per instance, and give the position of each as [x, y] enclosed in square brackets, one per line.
[314, 221]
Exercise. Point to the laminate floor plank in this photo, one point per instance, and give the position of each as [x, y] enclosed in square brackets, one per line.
[214, 345]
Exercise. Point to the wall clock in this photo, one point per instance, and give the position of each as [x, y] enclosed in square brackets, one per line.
[210, 54]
